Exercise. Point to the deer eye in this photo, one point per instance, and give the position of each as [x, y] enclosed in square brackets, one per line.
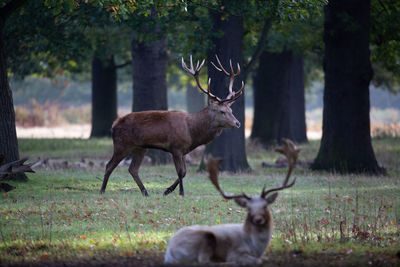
[222, 112]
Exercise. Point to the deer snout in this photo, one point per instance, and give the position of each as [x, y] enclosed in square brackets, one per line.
[237, 124]
[259, 220]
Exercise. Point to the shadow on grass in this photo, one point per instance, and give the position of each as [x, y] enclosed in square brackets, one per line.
[151, 257]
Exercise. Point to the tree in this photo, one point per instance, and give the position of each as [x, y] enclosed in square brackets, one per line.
[385, 44]
[104, 96]
[230, 145]
[108, 39]
[8, 135]
[279, 106]
[346, 141]
[279, 81]
[8, 138]
[149, 65]
[92, 36]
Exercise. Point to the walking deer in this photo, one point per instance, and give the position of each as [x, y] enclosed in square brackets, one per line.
[236, 243]
[173, 131]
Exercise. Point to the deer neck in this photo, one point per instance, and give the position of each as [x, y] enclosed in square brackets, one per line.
[259, 236]
[203, 128]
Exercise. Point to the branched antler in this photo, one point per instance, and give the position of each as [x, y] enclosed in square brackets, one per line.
[232, 96]
[291, 152]
[213, 170]
[195, 71]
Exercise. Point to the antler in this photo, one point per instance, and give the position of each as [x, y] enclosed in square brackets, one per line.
[212, 168]
[196, 72]
[291, 152]
[232, 96]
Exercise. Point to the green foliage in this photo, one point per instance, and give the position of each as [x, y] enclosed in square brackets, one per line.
[63, 38]
[385, 43]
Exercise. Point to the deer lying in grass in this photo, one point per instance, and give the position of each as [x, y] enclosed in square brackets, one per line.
[236, 243]
[173, 131]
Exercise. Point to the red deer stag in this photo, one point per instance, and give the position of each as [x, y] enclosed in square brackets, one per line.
[236, 243]
[173, 131]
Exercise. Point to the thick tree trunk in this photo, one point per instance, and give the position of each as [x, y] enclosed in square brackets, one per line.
[279, 108]
[104, 96]
[346, 141]
[269, 100]
[195, 100]
[230, 145]
[8, 135]
[297, 99]
[149, 62]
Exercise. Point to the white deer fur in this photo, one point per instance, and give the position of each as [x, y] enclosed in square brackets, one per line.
[237, 243]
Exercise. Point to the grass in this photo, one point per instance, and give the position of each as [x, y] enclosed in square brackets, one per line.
[59, 216]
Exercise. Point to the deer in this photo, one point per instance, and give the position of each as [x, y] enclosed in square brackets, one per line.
[242, 243]
[176, 132]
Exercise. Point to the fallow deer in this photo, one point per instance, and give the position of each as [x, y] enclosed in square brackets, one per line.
[236, 243]
[173, 131]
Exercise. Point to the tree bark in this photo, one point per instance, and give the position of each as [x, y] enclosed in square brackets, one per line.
[230, 145]
[346, 141]
[279, 108]
[8, 134]
[269, 89]
[194, 99]
[297, 99]
[104, 96]
[149, 62]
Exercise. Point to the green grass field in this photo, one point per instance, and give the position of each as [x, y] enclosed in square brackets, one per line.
[58, 216]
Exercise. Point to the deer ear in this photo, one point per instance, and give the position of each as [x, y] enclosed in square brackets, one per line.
[241, 202]
[272, 198]
[212, 102]
[230, 103]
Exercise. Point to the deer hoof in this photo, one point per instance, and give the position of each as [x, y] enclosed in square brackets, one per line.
[101, 191]
[144, 193]
[169, 190]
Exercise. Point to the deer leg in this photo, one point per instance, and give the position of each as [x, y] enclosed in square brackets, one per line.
[172, 187]
[207, 248]
[137, 158]
[180, 167]
[115, 159]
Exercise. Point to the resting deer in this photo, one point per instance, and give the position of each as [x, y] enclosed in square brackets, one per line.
[236, 243]
[173, 131]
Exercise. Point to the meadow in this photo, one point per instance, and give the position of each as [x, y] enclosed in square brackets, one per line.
[58, 217]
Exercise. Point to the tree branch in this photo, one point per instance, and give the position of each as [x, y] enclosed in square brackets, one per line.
[123, 64]
[259, 49]
[15, 167]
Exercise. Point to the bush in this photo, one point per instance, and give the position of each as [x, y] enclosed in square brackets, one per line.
[51, 113]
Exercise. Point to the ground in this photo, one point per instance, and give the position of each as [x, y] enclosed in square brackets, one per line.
[59, 218]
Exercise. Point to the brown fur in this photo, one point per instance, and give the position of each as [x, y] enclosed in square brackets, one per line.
[173, 131]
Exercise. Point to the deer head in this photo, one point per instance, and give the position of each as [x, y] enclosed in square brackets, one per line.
[220, 108]
[257, 206]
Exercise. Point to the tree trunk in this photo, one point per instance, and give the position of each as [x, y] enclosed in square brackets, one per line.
[104, 96]
[279, 107]
[8, 134]
[297, 99]
[149, 62]
[194, 99]
[269, 97]
[230, 145]
[346, 141]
